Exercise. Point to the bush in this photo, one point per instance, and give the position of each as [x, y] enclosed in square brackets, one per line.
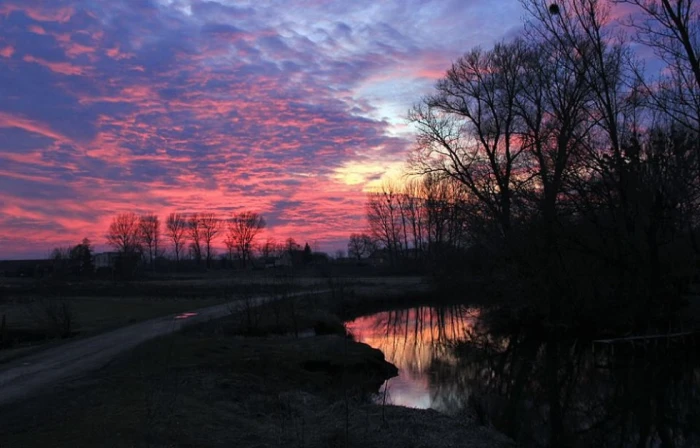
[56, 313]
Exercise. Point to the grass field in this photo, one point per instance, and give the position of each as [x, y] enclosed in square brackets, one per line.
[34, 313]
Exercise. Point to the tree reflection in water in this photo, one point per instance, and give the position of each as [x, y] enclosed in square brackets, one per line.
[449, 360]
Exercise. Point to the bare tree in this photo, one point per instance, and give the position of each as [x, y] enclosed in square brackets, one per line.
[355, 247]
[469, 129]
[124, 233]
[672, 29]
[383, 217]
[230, 244]
[553, 107]
[444, 205]
[196, 234]
[242, 229]
[415, 211]
[210, 227]
[176, 231]
[268, 248]
[149, 228]
[360, 246]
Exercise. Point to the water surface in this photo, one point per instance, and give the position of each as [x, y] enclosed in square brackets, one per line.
[540, 392]
[418, 341]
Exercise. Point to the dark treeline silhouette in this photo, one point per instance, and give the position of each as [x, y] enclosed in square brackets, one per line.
[76, 261]
[241, 233]
[187, 236]
[572, 174]
[188, 241]
[420, 223]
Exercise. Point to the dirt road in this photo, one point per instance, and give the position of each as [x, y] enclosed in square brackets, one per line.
[27, 375]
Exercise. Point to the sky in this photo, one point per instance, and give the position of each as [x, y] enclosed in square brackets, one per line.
[293, 109]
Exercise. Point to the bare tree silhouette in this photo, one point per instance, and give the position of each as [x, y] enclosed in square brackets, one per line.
[210, 227]
[196, 235]
[360, 246]
[243, 228]
[149, 228]
[124, 233]
[268, 248]
[176, 231]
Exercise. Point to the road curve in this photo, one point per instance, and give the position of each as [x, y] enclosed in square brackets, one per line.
[26, 375]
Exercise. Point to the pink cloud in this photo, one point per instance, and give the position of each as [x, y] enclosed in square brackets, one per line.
[73, 49]
[10, 121]
[117, 54]
[63, 68]
[61, 15]
[37, 29]
[7, 51]
[40, 14]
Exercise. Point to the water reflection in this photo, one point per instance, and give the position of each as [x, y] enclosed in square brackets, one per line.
[540, 392]
[420, 342]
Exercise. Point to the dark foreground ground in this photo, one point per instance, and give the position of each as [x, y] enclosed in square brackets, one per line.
[280, 375]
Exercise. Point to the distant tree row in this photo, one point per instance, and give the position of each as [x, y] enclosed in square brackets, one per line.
[192, 235]
[76, 260]
[420, 219]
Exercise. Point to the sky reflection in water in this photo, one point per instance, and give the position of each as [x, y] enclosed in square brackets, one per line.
[449, 360]
[417, 340]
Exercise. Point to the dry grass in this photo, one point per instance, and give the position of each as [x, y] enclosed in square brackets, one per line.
[29, 307]
[29, 322]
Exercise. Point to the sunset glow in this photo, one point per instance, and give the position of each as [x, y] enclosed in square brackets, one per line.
[291, 109]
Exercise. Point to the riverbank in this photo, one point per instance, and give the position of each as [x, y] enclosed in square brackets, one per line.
[218, 385]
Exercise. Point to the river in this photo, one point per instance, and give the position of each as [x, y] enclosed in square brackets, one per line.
[540, 392]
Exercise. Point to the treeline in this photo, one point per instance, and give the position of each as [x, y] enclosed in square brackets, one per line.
[187, 235]
[193, 237]
[181, 237]
[420, 223]
[578, 172]
[77, 260]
